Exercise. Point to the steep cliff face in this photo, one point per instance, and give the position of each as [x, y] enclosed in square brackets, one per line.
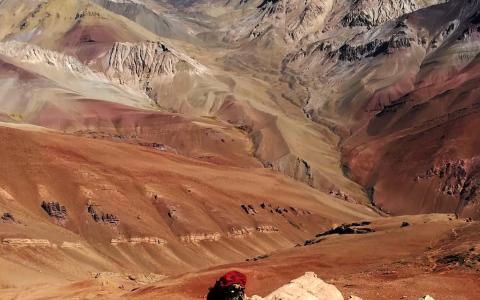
[293, 21]
[376, 12]
[345, 68]
[140, 64]
[32, 54]
[287, 20]
[456, 179]
[311, 19]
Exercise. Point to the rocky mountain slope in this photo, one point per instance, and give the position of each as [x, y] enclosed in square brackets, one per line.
[404, 69]
[125, 213]
[355, 67]
[155, 17]
[139, 64]
[287, 20]
[296, 21]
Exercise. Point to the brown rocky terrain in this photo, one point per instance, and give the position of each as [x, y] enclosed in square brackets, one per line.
[164, 205]
[147, 147]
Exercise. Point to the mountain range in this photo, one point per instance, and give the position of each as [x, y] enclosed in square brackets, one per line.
[148, 146]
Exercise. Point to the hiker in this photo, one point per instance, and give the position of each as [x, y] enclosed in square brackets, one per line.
[230, 286]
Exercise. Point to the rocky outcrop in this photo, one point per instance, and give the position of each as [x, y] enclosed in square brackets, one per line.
[87, 13]
[357, 18]
[8, 218]
[249, 209]
[453, 175]
[376, 12]
[139, 64]
[256, 258]
[105, 135]
[276, 209]
[306, 287]
[138, 240]
[270, 14]
[470, 189]
[291, 20]
[267, 205]
[311, 19]
[55, 210]
[458, 178]
[123, 280]
[295, 167]
[172, 213]
[130, 138]
[374, 48]
[156, 146]
[240, 232]
[341, 195]
[267, 228]
[33, 54]
[42, 243]
[72, 245]
[281, 211]
[348, 52]
[31, 16]
[101, 216]
[353, 228]
[469, 259]
[20, 242]
[195, 238]
[296, 21]
[233, 232]
[392, 107]
[472, 29]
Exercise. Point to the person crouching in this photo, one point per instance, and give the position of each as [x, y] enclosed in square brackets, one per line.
[230, 286]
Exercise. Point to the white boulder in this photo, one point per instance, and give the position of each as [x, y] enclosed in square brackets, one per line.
[306, 287]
